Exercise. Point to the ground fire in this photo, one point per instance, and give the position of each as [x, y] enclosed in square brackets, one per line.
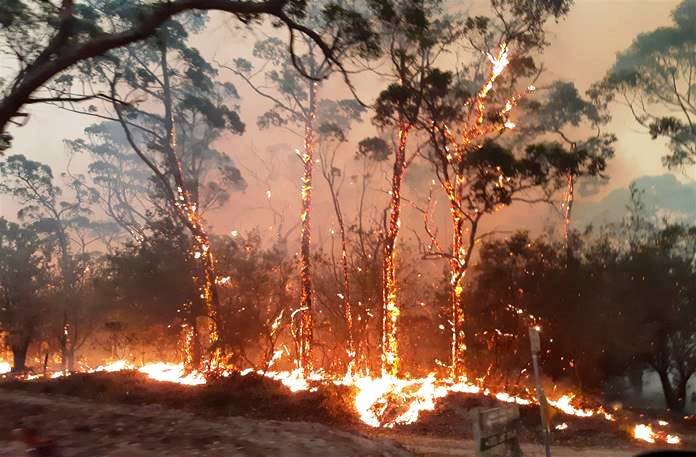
[388, 401]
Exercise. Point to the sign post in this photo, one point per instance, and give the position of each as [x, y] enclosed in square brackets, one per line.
[535, 342]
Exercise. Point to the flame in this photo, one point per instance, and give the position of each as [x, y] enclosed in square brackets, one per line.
[112, 367]
[5, 367]
[172, 373]
[645, 432]
[388, 400]
[563, 403]
[158, 371]
[295, 379]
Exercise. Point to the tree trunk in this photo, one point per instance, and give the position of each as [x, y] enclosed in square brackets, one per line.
[567, 214]
[188, 212]
[671, 396]
[390, 307]
[680, 393]
[306, 326]
[345, 269]
[64, 342]
[67, 359]
[19, 355]
[70, 356]
[457, 270]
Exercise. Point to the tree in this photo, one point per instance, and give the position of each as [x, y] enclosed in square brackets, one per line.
[45, 39]
[257, 291]
[121, 179]
[148, 283]
[659, 286]
[173, 111]
[24, 278]
[520, 282]
[335, 177]
[625, 303]
[296, 83]
[415, 35]
[553, 121]
[465, 111]
[655, 78]
[62, 220]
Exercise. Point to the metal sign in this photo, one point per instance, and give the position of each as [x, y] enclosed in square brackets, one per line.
[496, 430]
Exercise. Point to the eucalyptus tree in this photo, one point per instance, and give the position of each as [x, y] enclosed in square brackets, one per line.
[170, 108]
[44, 39]
[656, 78]
[121, 179]
[24, 282]
[558, 120]
[465, 109]
[60, 219]
[415, 34]
[293, 84]
[331, 138]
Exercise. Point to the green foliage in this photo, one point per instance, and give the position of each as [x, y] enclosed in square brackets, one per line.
[258, 294]
[203, 111]
[554, 121]
[654, 77]
[613, 307]
[416, 32]
[151, 279]
[288, 87]
[32, 184]
[24, 280]
[374, 148]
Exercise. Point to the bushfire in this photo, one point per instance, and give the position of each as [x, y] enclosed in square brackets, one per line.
[388, 401]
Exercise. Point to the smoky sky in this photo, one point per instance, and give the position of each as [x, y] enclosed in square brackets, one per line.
[582, 49]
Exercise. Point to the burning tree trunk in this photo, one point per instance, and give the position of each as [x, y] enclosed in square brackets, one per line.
[292, 105]
[306, 326]
[462, 248]
[390, 307]
[186, 210]
[466, 186]
[567, 213]
[330, 173]
[347, 309]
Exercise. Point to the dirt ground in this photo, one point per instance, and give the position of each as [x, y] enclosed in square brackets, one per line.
[425, 446]
[84, 428]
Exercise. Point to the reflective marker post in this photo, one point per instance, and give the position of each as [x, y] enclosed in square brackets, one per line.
[535, 342]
